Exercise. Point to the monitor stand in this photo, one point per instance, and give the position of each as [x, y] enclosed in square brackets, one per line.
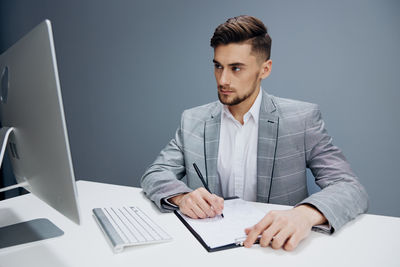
[24, 232]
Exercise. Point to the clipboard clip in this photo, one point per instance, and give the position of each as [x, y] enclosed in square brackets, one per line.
[239, 241]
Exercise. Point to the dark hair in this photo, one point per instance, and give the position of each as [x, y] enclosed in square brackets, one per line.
[244, 29]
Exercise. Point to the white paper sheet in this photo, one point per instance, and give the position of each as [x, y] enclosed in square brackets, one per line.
[218, 231]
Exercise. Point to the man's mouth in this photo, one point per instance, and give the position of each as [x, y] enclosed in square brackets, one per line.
[225, 91]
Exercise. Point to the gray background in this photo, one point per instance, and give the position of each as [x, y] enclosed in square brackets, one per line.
[129, 68]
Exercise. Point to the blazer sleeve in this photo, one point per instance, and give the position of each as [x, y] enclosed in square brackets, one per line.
[162, 179]
[342, 196]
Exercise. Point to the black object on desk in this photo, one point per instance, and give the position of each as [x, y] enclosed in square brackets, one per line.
[236, 242]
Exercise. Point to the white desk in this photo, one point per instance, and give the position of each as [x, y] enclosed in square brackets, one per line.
[370, 240]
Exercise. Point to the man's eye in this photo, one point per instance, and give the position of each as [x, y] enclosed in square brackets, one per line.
[236, 68]
[217, 66]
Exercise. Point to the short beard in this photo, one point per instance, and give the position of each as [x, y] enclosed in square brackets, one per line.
[234, 101]
[237, 100]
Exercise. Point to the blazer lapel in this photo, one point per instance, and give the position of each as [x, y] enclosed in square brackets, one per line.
[268, 126]
[211, 139]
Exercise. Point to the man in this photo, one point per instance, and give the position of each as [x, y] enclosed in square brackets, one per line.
[255, 146]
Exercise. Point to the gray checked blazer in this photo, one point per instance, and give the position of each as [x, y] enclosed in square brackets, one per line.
[291, 138]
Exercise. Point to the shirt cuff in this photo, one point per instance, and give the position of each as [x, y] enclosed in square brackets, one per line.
[323, 228]
[166, 204]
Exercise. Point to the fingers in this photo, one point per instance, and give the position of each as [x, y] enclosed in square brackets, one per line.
[256, 230]
[292, 242]
[190, 213]
[279, 229]
[201, 204]
[210, 204]
[269, 234]
[280, 238]
[216, 202]
[194, 207]
[199, 211]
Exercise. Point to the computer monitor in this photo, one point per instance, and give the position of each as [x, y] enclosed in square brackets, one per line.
[34, 128]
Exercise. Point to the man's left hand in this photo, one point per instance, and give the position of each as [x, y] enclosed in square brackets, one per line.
[284, 228]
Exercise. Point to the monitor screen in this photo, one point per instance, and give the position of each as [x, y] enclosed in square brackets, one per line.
[33, 121]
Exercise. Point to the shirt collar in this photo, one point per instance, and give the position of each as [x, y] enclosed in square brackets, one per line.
[254, 111]
[255, 108]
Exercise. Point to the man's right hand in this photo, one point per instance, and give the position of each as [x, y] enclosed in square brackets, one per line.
[199, 204]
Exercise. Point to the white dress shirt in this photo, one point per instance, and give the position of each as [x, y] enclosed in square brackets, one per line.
[237, 153]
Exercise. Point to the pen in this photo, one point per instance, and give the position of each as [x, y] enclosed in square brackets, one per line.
[203, 181]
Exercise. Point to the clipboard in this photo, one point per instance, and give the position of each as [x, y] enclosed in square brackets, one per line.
[216, 234]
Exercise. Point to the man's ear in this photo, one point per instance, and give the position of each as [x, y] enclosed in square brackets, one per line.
[266, 69]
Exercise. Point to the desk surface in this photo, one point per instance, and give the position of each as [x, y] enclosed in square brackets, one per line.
[370, 240]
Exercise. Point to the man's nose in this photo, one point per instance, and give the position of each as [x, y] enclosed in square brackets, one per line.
[224, 79]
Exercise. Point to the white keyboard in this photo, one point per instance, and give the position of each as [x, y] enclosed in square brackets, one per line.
[128, 226]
